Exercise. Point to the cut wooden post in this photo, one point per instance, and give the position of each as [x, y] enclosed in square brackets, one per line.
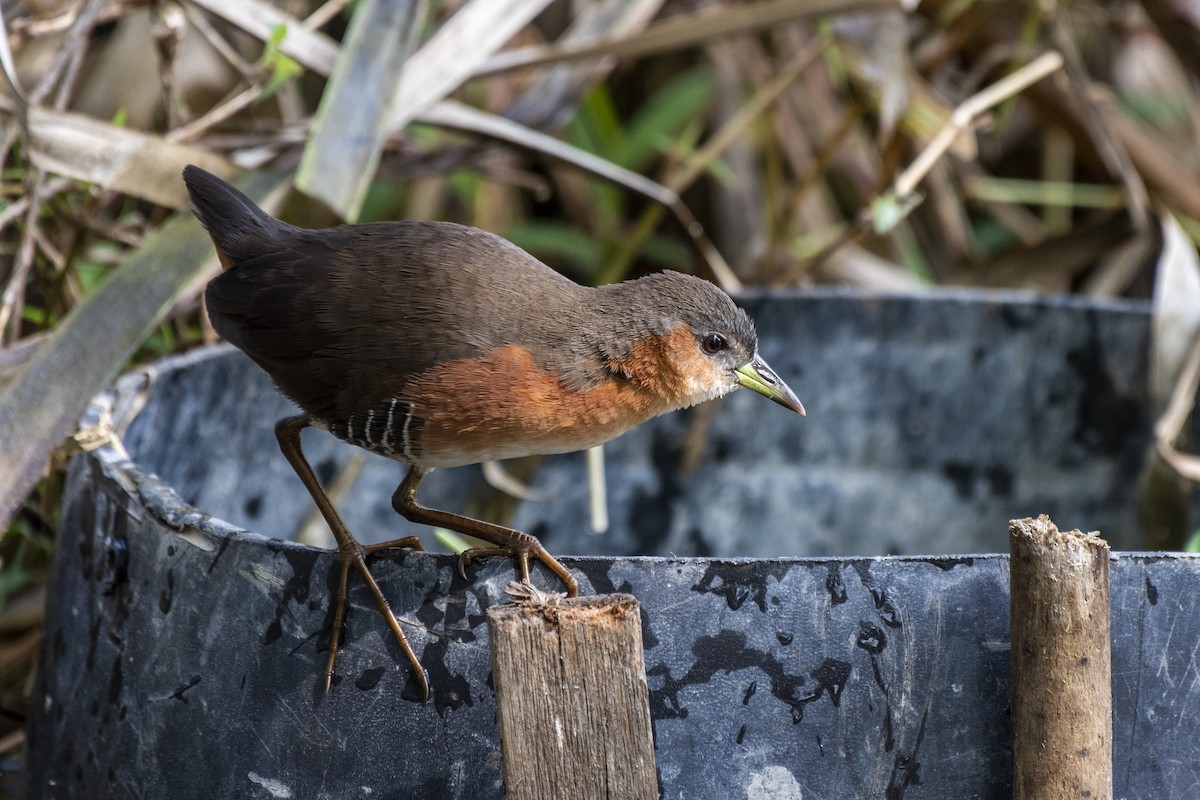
[1061, 663]
[571, 697]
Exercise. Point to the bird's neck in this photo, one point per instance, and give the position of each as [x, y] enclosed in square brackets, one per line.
[634, 348]
[656, 365]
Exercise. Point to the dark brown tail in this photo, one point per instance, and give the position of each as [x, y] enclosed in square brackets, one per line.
[240, 230]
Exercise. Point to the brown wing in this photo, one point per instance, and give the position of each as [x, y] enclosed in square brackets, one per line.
[343, 319]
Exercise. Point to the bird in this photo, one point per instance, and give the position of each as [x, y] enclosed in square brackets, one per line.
[441, 345]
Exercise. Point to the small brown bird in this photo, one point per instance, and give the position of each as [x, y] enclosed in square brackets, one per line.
[441, 345]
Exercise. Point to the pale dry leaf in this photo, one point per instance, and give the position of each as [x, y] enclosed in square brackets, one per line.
[314, 50]
[679, 32]
[478, 29]
[137, 164]
[880, 45]
[1175, 320]
[350, 128]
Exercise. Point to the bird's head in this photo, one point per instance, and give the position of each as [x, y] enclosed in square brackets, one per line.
[691, 343]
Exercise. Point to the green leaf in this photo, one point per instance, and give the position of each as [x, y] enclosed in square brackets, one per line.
[1193, 544]
[281, 66]
[21, 552]
[36, 315]
[663, 116]
[89, 274]
[451, 540]
[465, 185]
[890, 210]
[596, 128]
[666, 252]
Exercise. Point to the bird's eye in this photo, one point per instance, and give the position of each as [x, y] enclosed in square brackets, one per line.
[713, 343]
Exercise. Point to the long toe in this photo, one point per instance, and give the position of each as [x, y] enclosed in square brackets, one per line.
[529, 546]
[407, 543]
[467, 556]
[523, 547]
[385, 609]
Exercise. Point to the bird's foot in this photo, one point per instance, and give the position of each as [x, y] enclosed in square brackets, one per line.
[522, 546]
[355, 555]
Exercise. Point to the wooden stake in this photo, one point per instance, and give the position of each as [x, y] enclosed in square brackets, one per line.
[1061, 663]
[571, 697]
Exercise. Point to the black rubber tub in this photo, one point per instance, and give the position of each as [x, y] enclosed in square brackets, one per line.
[796, 645]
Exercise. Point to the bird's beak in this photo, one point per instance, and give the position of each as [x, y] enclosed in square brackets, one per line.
[759, 377]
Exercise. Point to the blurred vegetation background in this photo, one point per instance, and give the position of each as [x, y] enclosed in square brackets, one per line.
[890, 146]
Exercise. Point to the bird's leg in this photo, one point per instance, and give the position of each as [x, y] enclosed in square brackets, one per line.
[352, 554]
[508, 541]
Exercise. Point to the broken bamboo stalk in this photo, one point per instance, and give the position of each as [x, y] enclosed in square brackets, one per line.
[1061, 663]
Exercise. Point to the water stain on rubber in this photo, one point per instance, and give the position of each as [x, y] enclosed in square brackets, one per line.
[596, 571]
[93, 638]
[448, 618]
[164, 599]
[835, 586]
[947, 563]
[116, 681]
[369, 678]
[728, 652]
[968, 479]
[450, 690]
[962, 477]
[115, 571]
[87, 524]
[296, 588]
[871, 637]
[738, 583]
[1105, 418]
[221, 548]
[906, 769]
[883, 604]
[831, 677]
[179, 693]
[252, 507]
